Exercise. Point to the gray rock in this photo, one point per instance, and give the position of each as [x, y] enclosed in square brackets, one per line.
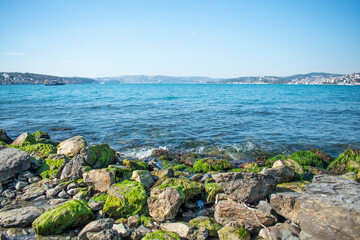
[12, 162]
[74, 169]
[34, 179]
[133, 221]
[32, 192]
[72, 186]
[72, 146]
[250, 218]
[100, 214]
[96, 205]
[19, 217]
[57, 201]
[63, 195]
[246, 187]
[4, 137]
[281, 173]
[73, 191]
[100, 179]
[144, 177]
[9, 194]
[143, 230]
[280, 231]
[96, 226]
[26, 175]
[287, 205]
[166, 205]
[20, 185]
[121, 229]
[22, 138]
[184, 230]
[107, 234]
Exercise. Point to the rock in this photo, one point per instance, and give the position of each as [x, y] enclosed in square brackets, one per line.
[282, 173]
[184, 230]
[100, 214]
[279, 230]
[161, 235]
[133, 221]
[144, 177]
[74, 169]
[41, 135]
[286, 204]
[100, 179]
[100, 156]
[34, 179]
[207, 223]
[212, 189]
[72, 146]
[233, 232]
[32, 192]
[12, 162]
[143, 230]
[19, 217]
[246, 187]
[53, 166]
[24, 138]
[169, 172]
[74, 191]
[20, 185]
[135, 235]
[107, 234]
[125, 199]
[165, 206]
[70, 214]
[72, 186]
[96, 205]
[96, 226]
[63, 195]
[4, 137]
[121, 229]
[348, 161]
[233, 212]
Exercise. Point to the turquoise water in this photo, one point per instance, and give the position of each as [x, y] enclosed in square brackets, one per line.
[243, 120]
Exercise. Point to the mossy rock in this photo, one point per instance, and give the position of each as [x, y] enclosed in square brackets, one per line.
[303, 158]
[348, 161]
[299, 186]
[326, 158]
[24, 139]
[249, 167]
[145, 220]
[233, 231]
[174, 165]
[40, 149]
[98, 197]
[161, 235]
[52, 166]
[2, 143]
[70, 214]
[41, 134]
[184, 186]
[207, 223]
[101, 155]
[135, 165]
[126, 199]
[121, 172]
[207, 165]
[211, 190]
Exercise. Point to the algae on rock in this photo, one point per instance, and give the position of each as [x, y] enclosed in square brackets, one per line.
[207, 165]
[348, 161]
[208, 223]
[100, 155]
[161, 235]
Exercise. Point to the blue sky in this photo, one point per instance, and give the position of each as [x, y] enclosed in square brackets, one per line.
[179, 38]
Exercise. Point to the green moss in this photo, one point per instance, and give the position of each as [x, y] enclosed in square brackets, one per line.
[121, 172]
[303, 158]
[98, 198]
[2, 143]
[175, 166]
[241, 232]
[145, 220]
[41, 149]
[101, 155]
[126, 199]
[234, 232]
[211, 190]
[269, 162]
[247, 170]
[56, 220]
[41, 134]
[185, 187]
[52, 166]
[161, 235]
[135, 165]
[207, 165]
[348, 161]
[207, 223]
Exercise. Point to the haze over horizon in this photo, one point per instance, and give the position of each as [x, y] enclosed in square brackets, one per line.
[179, 38]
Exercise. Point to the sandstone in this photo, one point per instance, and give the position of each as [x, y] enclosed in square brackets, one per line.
[100, 179]
[72, 146]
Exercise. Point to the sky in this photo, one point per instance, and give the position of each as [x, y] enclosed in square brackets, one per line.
[220, 39]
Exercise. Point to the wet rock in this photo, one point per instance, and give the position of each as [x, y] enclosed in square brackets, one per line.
[72, 146]
[281, 172]
[34, 179]
[107, 234]
[100, 179]
[54, 164]
[12, 162]
[250, 218]
[143, 230]
[132, 221]
[74, 191]
[9, 194]
[24, 137]
[63, 194]
[246, 187]
[165, 206]
[100, 156]
[72, 186]
[280, 230]
[96, 226]
[74, 169]
[144, 177]
[19, 217]
[233, 232]
[4, 137]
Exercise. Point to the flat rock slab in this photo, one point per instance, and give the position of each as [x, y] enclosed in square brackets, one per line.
[19, 217]
[12, 162]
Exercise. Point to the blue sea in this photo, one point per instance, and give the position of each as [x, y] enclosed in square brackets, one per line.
[241, 120]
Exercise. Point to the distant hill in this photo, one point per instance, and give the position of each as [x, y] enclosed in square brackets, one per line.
[155, 79]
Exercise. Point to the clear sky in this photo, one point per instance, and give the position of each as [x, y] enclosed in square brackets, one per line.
[179, 37]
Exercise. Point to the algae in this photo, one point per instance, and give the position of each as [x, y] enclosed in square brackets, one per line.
[135, 165]
[184, 186]
[211, 190]
[161, 235]
[207, 223]
[348, 161]
[101, 155]
[207, 165]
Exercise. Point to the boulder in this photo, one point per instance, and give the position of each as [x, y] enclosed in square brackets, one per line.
[165, 206]
[53, 166]
[233, 231]
[281, 172]
[32, 191]
[19, 217]
[107, 234]
[121, 229]
[74, 169]
[125, 199]
[72, 146]
[144, 177]
[24, 138]
[250, 218]
[286, 204]
[12, 162]
[100, 156]
[96, 226]
[41, 135]
[100, 179]
[208, 223]
[184, 230]
[280, 231]
[4, 137]
[246, 187]
[72, 213]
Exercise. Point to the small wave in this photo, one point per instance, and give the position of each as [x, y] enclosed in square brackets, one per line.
[140, 153]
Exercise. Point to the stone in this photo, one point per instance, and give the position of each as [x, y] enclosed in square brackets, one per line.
[72, 186]
[12, 162]
[24, 137]
[19, 217]
[72, 146]
[96, 226]
[286, 204]
[143, 230]
[161, 235]
[32, 192]
[53, 166]
[63, 194]
[166, 205]
[250, 218]
[169, 172]
[281, 173]
[246, 187]
[279, 230]
[233, 231]
[144, 177]
[34, 179]
[107, 234]
[208, 223]
[4, 137]
[96, 205]
[100, 156]
[20, 185]
[133, 221]
[72, 213]
[121, 229]
[73, 191]
[184, 230]
[74, 169]
[100, 179]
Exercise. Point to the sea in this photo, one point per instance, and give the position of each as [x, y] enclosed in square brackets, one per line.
[239, 121]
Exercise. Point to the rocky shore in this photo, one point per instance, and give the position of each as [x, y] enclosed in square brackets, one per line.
[73, 190]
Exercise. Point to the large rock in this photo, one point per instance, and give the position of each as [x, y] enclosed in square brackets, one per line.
[234, 212]
[53, 166]
[74, 169]
[184, 230]
[233, 232]
[100, 179]
[125, 199]
[208, 223]
[24, 138]
[281, 172]
[96, 226]
[19, 217]
[72, 213]
[144, 177]
[100, 156]
[280, 231]
[4, 137]
[12, 162]
[287, 205]
[32, 191]
[72, 146]
[165, 206]
[246, 187]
